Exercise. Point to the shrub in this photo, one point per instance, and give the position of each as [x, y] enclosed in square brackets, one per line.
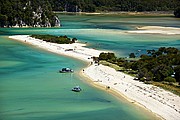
[177, 13]
[132, 55]
[169, 79]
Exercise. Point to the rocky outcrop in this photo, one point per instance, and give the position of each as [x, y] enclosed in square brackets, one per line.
[57, 21]
[32, 13]
[40, 19]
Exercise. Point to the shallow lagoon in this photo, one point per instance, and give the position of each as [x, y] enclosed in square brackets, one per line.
[32, 89]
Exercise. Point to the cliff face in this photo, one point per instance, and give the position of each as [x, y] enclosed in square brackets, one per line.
[27, 13]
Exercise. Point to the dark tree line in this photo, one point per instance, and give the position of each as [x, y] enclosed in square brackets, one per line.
[160, 65]
[177, 12]
[114, 5]
[21, 12]
[55, 39]
[157, 65]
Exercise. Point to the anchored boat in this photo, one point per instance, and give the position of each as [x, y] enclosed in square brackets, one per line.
[66, 70]
[76, 89]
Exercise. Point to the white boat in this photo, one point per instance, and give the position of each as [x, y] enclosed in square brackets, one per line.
[76, 89]
[66, 70]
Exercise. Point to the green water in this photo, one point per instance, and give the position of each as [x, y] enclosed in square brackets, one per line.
[32, 89]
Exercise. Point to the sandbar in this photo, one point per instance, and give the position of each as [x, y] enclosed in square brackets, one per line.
[76, 50]
[156, 30]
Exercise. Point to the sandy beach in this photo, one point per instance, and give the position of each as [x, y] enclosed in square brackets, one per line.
[75, 50]
[159, 101]
[156, 30]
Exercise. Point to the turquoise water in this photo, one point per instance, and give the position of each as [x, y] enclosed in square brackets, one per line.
[32, 89]
[106, 32]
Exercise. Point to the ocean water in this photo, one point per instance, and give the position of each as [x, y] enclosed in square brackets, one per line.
[32, 89]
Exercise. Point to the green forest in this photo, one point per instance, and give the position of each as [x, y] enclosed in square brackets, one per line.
[39, 13]
[114, 5]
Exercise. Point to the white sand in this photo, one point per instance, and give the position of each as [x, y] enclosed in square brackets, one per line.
[75, 50]
[159, 101]
[156, 30]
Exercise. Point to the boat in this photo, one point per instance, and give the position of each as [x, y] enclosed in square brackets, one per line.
[76, 89]
[66, 70]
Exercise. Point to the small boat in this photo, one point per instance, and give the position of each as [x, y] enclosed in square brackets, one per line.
[76, 89]
[66, 70]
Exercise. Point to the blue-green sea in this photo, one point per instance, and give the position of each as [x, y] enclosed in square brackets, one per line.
[32, 89]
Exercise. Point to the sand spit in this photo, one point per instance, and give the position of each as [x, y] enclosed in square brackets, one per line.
[159, 101]
[76, 50]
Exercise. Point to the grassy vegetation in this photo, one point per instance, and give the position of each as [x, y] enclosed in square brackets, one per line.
[116, 67]
[55, 39]
[174, 88]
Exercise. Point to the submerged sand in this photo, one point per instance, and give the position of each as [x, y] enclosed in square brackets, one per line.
[156, 30]
[159, 101]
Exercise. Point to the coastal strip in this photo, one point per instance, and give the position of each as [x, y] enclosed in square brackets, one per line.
[75, 50]
[159, 101]
[155, 99]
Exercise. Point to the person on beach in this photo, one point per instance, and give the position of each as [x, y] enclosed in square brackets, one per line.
[107, 87]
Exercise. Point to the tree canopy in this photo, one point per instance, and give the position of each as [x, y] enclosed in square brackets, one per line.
[114, 5]
[157, 65]
[55, 39]
[177, 12]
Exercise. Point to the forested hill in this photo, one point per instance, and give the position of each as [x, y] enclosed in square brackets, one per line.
[35, 13]
[38, 13]
[114, 5]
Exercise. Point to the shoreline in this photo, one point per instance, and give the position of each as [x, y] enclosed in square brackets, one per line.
[120, 96]
[151, 13]
[123, 85]
[143, 95]
[75, 50]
